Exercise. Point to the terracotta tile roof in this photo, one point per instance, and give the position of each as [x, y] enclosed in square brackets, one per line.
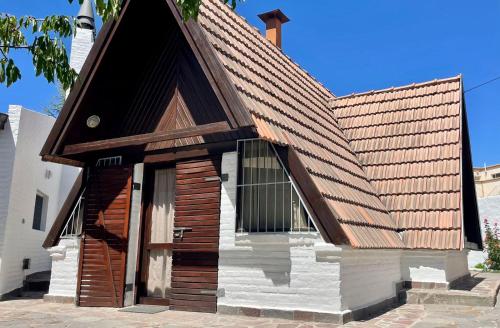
[408, 140]
[289, 107]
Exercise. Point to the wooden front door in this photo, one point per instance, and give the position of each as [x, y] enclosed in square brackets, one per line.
[103, 248]
[180, 256]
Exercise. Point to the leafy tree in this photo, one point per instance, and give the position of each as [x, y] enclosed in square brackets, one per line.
[492, 242]
[54, 107]
[43, 39]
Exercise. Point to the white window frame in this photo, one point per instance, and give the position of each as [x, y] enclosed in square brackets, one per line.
[293, 186]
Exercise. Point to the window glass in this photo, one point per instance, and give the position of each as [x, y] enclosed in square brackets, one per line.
[39, 215]
[267, 199]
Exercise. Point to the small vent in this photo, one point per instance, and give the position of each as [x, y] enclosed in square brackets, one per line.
[26, 264]
[48, 174]
[109, 161]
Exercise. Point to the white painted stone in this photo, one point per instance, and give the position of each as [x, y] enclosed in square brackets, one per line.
[290, 271]
[65, 256]
[368, 277]
[434, 266]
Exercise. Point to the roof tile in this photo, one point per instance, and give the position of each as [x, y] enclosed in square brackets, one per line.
[409, 144]
[291, 108]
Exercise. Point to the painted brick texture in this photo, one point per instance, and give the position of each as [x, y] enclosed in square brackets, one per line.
[80, 47]
[296, 271]
[63, 279]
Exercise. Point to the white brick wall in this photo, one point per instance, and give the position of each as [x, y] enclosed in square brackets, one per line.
[7, 154]
[28, 175]
[368, 277]
[434, 266]
[296, 272]
[80, 46]
[65, 256]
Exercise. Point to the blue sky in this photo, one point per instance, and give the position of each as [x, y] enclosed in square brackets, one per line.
[353, 46]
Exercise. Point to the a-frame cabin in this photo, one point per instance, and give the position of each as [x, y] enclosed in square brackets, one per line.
[220, 176]
[159, 97]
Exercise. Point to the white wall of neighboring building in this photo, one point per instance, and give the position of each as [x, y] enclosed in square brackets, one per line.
[29, 175]
[7, 154]
[487, 181]
[489, 209]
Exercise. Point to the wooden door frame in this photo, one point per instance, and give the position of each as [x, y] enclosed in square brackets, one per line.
[144, 234]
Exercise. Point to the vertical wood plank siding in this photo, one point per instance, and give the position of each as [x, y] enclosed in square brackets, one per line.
[104, 244]
[197, 206]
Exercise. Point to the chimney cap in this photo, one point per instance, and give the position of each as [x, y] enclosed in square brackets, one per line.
[85, 18]
[276, 13]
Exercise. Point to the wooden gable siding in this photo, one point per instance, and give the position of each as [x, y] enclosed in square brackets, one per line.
[195, 263]
[159, 88]
[104, 243]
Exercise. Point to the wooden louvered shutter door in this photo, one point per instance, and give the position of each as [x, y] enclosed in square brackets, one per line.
[104, 244]
[196, 254]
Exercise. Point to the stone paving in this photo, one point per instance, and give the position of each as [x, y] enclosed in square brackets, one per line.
[34, 312]
[480, 289]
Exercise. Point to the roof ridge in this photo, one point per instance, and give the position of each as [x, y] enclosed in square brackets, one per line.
[403, 87]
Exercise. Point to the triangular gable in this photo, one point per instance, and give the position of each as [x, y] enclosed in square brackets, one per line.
[138, 65]
[255, 84]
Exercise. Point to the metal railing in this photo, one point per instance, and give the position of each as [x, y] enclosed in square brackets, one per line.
[73, 227]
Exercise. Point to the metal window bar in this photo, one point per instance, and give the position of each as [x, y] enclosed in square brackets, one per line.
[73, 227]
[246, 151]
[109, 161]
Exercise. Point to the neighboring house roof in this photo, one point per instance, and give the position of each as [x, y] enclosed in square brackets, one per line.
[289, 107]
[409, 141]
[376, 163]
[486, 168]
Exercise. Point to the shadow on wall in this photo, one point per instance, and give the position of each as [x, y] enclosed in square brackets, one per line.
[270, 253]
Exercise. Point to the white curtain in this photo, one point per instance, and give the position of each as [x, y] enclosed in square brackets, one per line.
[162, 225]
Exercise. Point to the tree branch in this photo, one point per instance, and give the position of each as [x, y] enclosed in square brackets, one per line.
[14, 47]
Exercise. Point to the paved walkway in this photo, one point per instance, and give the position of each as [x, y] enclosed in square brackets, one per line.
[36, 313]
[26, 312]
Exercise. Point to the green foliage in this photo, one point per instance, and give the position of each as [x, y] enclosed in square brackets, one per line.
[492, 245]
[191, 8]
[45, 45]
[54, 108]
[43, 39]
[480, 266]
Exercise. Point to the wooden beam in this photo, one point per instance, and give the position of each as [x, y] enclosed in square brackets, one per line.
[193, 151]
[62, 160]
[142, 139]
[328, 225]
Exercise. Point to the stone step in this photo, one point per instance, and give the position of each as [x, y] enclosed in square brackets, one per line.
[38, 281]
[479, 290]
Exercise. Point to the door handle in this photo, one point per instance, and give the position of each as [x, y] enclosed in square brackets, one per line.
[179, 232]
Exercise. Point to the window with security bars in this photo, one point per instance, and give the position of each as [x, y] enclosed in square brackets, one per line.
[267, 198]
